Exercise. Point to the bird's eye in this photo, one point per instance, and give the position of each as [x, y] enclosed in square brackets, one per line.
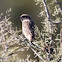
[24, 16]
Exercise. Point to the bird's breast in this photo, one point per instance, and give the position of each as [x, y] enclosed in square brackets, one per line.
[26, 30]
[27, 33]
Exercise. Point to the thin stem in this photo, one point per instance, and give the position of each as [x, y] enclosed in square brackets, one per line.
[46, 10]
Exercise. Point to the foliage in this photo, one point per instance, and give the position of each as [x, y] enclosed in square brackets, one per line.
[11, 39]
[51, 13]
[46, 47]
[8, 37]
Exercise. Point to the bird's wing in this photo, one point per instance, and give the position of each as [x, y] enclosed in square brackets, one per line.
[31, 27]
[35, 31]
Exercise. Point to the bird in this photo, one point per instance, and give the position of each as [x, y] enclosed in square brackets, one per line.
[28, 27]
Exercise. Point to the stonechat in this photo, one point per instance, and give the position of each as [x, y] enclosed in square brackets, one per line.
[28, 27]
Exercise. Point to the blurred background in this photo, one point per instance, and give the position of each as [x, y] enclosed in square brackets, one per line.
[19, 7]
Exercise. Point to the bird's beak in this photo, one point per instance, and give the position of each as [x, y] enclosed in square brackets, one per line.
[21, 18]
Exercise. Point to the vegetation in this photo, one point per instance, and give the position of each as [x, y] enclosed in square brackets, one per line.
[52, 22]
[47, 47]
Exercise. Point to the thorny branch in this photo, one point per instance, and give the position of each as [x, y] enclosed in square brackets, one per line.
[48, 16]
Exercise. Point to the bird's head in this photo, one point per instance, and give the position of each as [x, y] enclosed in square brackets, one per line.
[25, 16]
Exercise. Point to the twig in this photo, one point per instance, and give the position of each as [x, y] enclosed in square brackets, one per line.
[11, 54]
[48, 16]
[31, 46]
[17, 51]
[37, 54]
[46, 10]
